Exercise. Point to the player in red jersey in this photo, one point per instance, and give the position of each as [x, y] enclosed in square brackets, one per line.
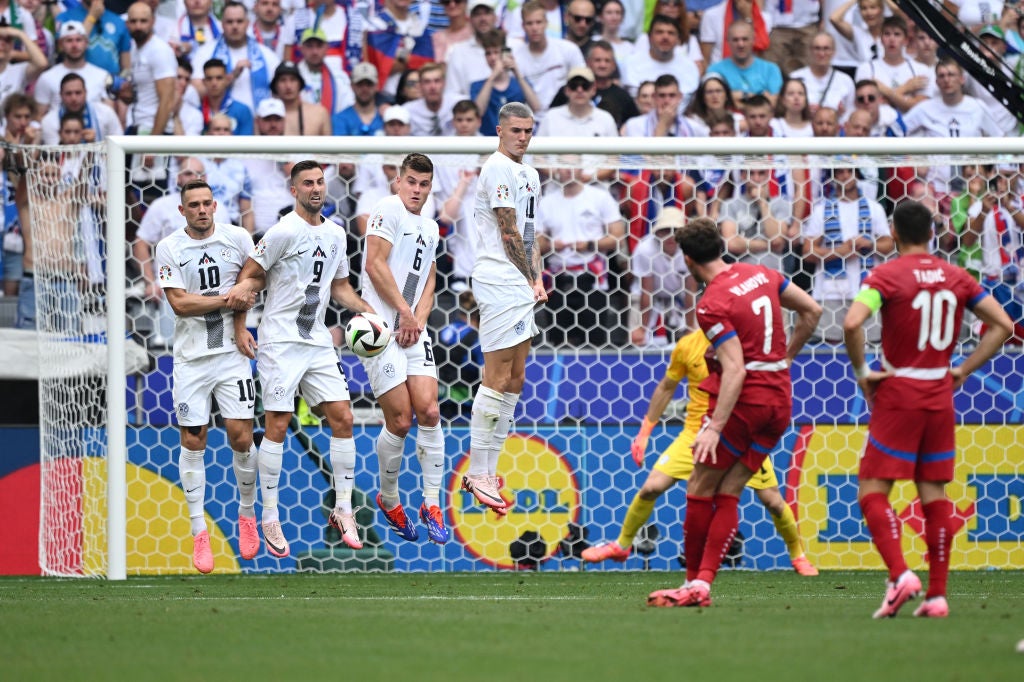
[911, 434]
[751, 396]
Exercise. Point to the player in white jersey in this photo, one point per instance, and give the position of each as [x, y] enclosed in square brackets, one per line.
[195, 268]
[302, 260]
[398, 281]
[508, 287]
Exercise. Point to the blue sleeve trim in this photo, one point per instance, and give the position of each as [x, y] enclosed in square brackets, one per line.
[722, 339]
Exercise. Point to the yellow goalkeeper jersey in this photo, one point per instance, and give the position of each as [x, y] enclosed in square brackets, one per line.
[687, 362]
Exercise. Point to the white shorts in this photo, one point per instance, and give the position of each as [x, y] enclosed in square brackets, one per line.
[507, 315]
[396, 364]
[285, 368]
[226, 376]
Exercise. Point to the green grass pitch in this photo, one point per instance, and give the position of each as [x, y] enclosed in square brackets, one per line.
[502, 626]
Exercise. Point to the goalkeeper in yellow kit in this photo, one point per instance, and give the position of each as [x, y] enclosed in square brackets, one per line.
[676, 463]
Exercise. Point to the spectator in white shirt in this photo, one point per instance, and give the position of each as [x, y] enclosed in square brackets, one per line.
[579, 118]
[661, 58]
[544, 61]
[827, 86]
[431, 114]
[902, 81]
[466, 63]
[99, 120]
[73, 44]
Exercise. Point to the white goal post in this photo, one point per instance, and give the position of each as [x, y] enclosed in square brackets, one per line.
[662, 151]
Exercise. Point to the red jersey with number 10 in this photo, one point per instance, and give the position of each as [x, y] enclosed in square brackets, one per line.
[923, 301]
[743, 302]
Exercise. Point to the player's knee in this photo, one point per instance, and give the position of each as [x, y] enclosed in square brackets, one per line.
[399, 424]
[339, 418]
[430, 416]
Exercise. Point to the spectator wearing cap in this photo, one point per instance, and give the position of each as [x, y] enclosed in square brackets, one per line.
[270, 117]
[72, 43]
[663, 291]
[301, 118]
[110, 45]
[544, 61]
[458, 30]
[660, 58]
[272, 29]
[465, 60]
[218, 101]
[17, 77]
[196, 27]
[397, 122]
[432, 112]
[343, 31]
[327, 84]
[250, 65]
[995, 51]
[506, 83]
[610, 96]
[362, 118]
[579, 117]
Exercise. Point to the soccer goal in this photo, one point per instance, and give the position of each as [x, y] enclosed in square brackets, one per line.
[112, 501]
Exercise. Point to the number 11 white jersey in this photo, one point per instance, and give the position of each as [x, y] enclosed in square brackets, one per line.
[208, 267]
[413, 241]
[503, 183]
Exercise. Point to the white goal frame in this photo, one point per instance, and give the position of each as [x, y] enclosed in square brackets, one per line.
[119, 147]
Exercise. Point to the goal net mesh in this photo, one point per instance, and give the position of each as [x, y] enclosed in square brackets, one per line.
[617, 308]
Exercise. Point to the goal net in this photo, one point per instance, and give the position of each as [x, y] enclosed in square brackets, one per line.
[112, 499]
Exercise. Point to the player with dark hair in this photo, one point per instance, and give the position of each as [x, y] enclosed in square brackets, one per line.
[398, 281]
[911, 435]
[751, 396]
[302, 261]
[195, 266]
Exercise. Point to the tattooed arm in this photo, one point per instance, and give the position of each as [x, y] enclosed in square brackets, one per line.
[515, 249]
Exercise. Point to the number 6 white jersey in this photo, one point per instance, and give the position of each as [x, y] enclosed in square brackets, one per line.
[208, 267]
[301, 261]
[413, 241]
[503, 183]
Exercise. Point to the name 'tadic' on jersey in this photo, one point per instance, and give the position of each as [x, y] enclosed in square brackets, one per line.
[208, 267]
[301, 261]
[923, 302]
[503, 183]
[743, 302]
[413, 240]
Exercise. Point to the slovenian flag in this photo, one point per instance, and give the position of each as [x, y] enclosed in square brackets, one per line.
[382, 47]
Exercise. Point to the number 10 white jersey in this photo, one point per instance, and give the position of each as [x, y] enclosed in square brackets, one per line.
[413, 241]
[503, 183]
[208, 267]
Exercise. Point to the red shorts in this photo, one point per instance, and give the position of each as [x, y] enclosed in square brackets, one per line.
[750, 435]
[917, 445]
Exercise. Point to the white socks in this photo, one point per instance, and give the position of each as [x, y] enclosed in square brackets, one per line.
[192, 470]
[389, 457]
[244, 464]
[343, 461]
[506, 417]
[482, 425]
[269, 464]
[430, 452]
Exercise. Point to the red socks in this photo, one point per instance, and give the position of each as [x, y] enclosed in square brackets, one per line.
[699, 513]
[885, 529]
[938, 534]
[720, 535]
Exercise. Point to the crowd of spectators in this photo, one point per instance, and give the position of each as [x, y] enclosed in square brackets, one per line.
[73, 72]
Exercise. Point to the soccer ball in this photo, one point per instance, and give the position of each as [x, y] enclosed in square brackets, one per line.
[367, 334]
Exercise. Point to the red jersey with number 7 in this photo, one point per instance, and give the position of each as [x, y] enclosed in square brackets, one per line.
[923, 301]
[743, 302]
